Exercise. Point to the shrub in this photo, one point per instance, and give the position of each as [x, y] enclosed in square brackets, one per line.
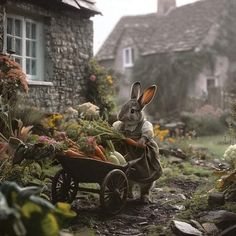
[12, 79]
[100, 88]
[205, 121]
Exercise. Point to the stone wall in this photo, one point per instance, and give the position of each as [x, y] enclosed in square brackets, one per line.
[68, 35]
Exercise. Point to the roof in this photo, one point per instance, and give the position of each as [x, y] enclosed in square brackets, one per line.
[82, 4]
[183, 28]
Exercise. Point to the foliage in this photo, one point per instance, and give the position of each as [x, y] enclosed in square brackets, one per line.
[28, 114]
[12, 79]
[205, 121]
[173, 73]
[23, 213]
[99, 88]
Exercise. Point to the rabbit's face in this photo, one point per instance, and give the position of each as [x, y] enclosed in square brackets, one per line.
[131, 112]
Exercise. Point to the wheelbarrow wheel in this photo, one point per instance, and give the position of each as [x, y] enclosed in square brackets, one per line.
[64, 187]
[114, 191]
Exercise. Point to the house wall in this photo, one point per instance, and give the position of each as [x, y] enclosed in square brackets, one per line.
[68, 43]
[219, 74]
[126, 73]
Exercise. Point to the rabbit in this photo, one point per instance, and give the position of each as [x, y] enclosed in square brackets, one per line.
[132, 124]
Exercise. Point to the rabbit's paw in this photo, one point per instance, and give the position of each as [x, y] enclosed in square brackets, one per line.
[142, 141]
[145, 199]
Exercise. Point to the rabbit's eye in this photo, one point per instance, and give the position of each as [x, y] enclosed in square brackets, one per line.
[132, 111]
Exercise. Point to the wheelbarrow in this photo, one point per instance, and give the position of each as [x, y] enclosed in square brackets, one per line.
[112, 180]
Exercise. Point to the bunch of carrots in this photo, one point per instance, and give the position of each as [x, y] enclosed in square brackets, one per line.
[74, 150]
[99, 153]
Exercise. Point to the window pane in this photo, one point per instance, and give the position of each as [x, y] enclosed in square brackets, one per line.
[18, 60]
[27, 48]
[33, 31]
[9, 26]
[33, 49]
[28, 66]
[127, 56]
[18, 46]
[33, 67]
[10, 43]
[17, 28]
[28, 30]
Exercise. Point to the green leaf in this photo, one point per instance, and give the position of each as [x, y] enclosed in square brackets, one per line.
[30, 208]
[50, 226]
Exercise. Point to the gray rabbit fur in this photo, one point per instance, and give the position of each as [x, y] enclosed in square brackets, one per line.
[132, 124]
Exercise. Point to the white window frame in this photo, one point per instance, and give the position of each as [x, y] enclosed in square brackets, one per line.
[39, 77]
[128, 57]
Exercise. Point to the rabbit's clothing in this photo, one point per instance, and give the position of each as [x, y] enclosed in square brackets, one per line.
[146, 129]
[148, 169]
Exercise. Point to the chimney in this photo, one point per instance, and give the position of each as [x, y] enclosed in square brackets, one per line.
[164, 6]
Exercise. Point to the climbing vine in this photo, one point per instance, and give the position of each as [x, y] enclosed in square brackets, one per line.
[173, 74]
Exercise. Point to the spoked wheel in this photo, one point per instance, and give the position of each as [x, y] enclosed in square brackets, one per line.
[114, 191]
[64, 187]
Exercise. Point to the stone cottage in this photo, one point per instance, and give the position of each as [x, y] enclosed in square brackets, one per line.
[204, 27]
[53, 41]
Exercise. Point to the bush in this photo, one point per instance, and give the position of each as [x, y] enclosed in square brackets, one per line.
[100, 88]
[205, 121]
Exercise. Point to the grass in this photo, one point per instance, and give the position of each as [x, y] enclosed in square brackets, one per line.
[216, 145]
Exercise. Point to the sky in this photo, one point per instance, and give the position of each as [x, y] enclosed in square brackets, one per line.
[113, 10]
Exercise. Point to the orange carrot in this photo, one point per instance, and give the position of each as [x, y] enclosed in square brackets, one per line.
[72, 153]
[102, 148]
[95, 157]
[99, 153]
[75, 149]
[71, 142]
[132, 142]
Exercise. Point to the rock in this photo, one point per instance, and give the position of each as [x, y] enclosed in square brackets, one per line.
[175, 160]
[231, 231]
[219, 216]
[62, 233]
[210, 228]
[197, 225]
[183, 228]
[178, 207]
[182, 196]
[216, 199]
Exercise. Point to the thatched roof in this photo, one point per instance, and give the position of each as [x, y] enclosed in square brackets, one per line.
[183, 28]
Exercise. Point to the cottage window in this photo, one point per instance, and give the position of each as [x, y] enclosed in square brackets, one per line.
[128, 57]
[211, 83]
[24, 39]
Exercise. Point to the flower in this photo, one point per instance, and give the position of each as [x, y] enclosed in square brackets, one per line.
[11, 72]
[91, 140]
[46, 140]
[109, 79]
[230, 155]
[52, 120]
[92, 78]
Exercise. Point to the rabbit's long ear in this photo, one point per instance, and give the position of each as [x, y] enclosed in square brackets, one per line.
[135, 90]
[147, 96]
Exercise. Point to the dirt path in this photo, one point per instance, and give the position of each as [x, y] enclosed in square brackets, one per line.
[136, 219]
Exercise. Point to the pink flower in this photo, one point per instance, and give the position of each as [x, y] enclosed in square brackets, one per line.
[92, 78]
[91, 140]
[46, 140]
